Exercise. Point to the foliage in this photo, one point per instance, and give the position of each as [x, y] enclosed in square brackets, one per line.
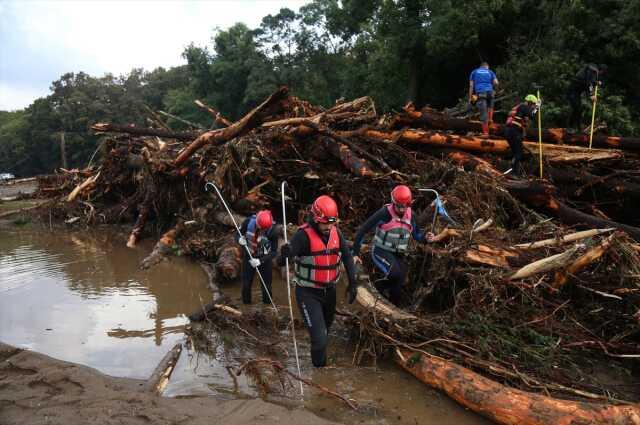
[392, 50]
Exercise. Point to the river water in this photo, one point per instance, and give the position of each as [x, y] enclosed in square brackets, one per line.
[80, 297]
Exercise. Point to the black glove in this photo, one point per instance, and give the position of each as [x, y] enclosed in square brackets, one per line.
[285, 251]
[352, 292]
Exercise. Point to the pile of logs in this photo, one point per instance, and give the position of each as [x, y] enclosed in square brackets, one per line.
[546, 284]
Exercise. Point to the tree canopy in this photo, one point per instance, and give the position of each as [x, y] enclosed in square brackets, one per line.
[394, 51]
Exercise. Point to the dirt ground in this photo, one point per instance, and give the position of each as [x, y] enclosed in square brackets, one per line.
[36, 389]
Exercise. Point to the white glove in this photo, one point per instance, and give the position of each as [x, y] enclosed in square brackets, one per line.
[242, 241]
[254, 262]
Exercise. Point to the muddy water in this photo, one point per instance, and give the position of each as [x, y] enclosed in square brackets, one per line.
[79, 297]
[386, 394]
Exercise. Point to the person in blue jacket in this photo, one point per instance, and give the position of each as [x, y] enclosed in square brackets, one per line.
[482, 83]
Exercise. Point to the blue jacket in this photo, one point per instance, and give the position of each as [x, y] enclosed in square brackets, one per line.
[482, 80]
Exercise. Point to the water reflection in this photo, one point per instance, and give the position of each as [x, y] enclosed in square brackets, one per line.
[81, 298]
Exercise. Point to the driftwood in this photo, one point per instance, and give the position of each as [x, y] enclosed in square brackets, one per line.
[546, 264]
[369, 298]
[160, 376]
[139, 131]
[85, 185]
[486, 255]
[567, 238]
[229, 260]
[506, 405]
[217, 117]
[248, 122]
[589, 257]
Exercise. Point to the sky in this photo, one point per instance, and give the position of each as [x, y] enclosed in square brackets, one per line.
[41, 40]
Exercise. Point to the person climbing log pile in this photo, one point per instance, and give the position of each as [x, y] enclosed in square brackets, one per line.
[536, 286]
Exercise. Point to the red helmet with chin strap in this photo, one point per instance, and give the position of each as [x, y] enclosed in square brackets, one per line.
[264, 219]
[324, 210]
[401, 195]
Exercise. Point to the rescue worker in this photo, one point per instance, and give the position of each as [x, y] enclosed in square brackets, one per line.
[394, 224]
[482, 83]
[517, 122]
[317, 249]
[262, 240]
[584, 81]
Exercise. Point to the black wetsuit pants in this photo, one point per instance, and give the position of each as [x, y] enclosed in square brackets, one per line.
[248, 273]
[514, 137]
[395, 271]
[317, 308]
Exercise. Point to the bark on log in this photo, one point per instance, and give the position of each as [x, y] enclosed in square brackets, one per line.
[583, 261]
[247, 123]
[541, 196]
[139, 131]
[229, 260]
[429, 118]
[356, 165]
[506, 405]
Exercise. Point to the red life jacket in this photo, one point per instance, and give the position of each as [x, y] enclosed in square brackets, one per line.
[322, 266]
[514, 119]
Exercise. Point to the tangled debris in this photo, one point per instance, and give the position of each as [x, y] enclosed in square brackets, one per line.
[513, 292]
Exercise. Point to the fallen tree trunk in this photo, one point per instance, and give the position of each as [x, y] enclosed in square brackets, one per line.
[506, 405]
[356, 165]
[369, 298]
[248, 122]
[546, 264]
[430, 118]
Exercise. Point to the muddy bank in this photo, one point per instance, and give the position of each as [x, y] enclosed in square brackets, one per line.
[36, 389]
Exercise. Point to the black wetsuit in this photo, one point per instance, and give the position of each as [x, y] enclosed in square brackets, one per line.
[266, 252]
[515, 134]
[584, 81]
[318, 305]
[390, 263]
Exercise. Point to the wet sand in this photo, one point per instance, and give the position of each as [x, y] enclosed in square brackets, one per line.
[37, 389]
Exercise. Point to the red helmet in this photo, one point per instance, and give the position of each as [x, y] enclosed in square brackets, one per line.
[401, 195]
[324, 210]
[264, 219]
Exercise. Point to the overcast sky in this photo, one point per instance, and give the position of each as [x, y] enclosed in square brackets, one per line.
[41, 40]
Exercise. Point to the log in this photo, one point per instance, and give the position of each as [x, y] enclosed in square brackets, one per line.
[163, 247]
[490, 256]
[161, 374]
[139, 131]
[357, 166]
[143, 215]
[505, 405]
[567, 238]
[369, 298]
[589, 257]
[546, 264]
[432, 119]
[247, 123]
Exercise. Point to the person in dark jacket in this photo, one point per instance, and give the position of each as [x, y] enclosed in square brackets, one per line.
[318, 248]
[584, 82]
[261, 239]
[394, 224]
[517, 122]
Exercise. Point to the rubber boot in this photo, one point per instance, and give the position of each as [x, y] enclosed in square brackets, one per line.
[485, 130]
